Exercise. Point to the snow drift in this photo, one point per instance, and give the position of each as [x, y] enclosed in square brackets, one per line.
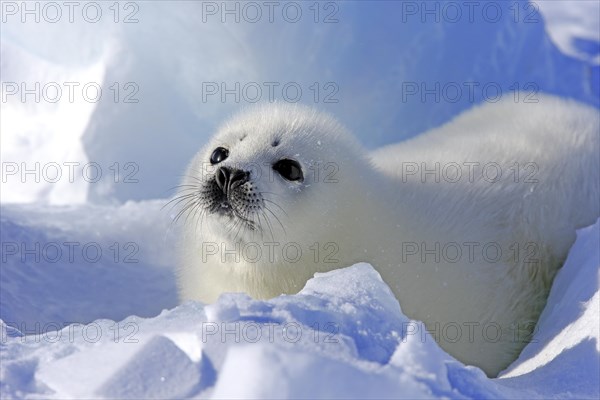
[66, 332]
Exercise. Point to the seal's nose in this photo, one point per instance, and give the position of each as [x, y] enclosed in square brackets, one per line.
[226, 178]
[222, 178]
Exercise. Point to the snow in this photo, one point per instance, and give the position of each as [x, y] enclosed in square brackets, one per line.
[88, 300]
[567, 343]
[343, 336]
[573, 29]
[100, 243]
[374, 56]
[120, 371]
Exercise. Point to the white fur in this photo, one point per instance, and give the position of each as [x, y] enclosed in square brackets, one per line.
[374, 211]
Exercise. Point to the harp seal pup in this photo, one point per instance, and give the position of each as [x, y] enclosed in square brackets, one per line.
[467, 223]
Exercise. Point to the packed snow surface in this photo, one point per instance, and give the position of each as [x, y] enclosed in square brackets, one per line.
[344, 335]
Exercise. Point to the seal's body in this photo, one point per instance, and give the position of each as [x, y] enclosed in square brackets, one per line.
[467, 223]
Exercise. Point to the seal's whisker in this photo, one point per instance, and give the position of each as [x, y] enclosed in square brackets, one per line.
[277, 218]
[259, 224]
[240, 224]
[198, 208]
[179, 199]
[183, 210]
[278, 206]
[194, 205]
[195, 178]
[184, 186]
[274, 194]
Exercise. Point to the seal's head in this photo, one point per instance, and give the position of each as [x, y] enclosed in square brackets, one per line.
[269, 201]
[267, 169]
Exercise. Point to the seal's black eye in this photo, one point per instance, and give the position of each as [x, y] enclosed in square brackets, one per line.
[289, 169]
[220, 154]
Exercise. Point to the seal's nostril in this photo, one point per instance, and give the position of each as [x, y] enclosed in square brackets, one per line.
[222, 178]
[227, 178]
[238, 177]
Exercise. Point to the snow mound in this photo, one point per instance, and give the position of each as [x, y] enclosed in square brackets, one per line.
[78, 264]
[574, 30]
[343, 336]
